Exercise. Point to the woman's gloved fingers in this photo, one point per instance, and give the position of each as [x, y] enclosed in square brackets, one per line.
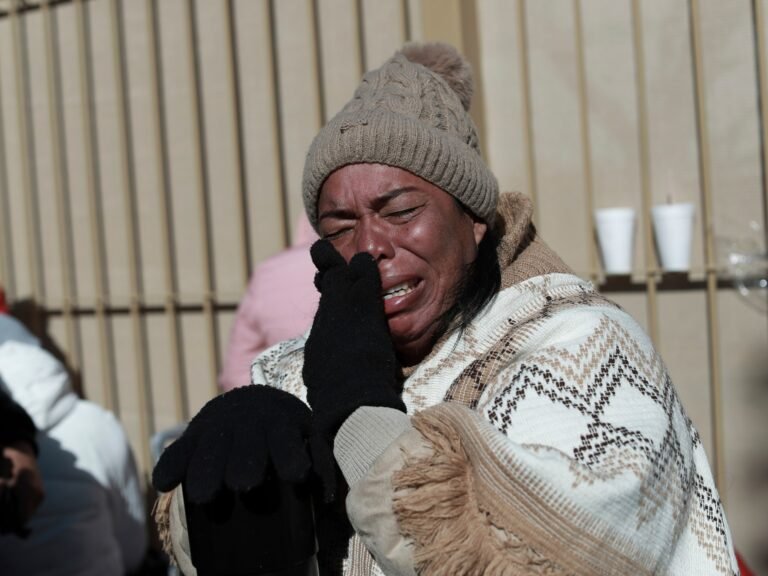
[207, 466]
[325, 257]
[363, 265]
[366, 287]
[288, 450]
[248, 461]
[171, 468]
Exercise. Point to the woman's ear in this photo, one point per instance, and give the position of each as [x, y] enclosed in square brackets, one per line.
[479, 228]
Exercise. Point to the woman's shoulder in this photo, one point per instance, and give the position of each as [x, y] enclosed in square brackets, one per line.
[570, 304]
[280, 366]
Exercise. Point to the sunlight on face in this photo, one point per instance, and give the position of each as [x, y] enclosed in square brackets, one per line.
[420, 237]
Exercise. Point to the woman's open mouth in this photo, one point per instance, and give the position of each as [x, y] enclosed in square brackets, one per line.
[400, 290]
[400, 297]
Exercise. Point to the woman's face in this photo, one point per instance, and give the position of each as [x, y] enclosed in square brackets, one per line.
[420, 237]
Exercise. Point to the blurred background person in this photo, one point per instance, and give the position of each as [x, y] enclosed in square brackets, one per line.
[21, 487]
[279, 304]
[10, 328]
[92, 520]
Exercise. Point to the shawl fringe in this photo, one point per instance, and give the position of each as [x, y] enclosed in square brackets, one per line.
[430, 490]
[161, 512]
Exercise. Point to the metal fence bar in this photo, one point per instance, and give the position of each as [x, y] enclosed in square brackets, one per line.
[586, 144]
[651, 270]
[163, 194]
[202, 193]
[702, 129]
[28, 181]
[407, 25]
[132, 230]
[146, 308]
[277, 121]
[106, 347]
[758, 19]
[319, 73]
[469, 31]
[25, 7]
[7, 268]
[233, 79]
[66, 252]
[525, 73]
[360, 18]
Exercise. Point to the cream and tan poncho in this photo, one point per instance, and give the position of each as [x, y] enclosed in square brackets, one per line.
[547, 439]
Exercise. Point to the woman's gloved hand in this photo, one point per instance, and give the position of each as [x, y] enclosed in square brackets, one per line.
[236, 436]
[349, 358]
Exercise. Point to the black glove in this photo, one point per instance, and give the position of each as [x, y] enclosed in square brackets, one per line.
[234, 438]
[349, 359]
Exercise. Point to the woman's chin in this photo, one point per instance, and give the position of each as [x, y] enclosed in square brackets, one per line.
[411, 347]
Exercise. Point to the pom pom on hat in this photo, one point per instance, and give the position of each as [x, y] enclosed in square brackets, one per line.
[445, 61]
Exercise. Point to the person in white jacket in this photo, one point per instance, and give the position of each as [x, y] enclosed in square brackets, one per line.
[92, 521]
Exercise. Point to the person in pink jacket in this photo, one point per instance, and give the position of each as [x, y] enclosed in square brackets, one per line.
[279, 304]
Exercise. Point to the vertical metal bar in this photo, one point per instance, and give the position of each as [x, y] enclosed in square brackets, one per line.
[202, 192]
[709, 247]
[469, 31]
[360, 16]
[132, 232]
[651, 270]
[277, 116]
[68, 288]
[233, 78]
[530, 146]
[318, 44]
[3, 240]
[586, 144]
[407, 24]
[163, 189]
[106, 347]
[762, 102]
[7, 267]
[28, 182]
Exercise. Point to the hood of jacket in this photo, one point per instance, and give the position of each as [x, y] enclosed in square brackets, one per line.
[37, 382]
[12, 329]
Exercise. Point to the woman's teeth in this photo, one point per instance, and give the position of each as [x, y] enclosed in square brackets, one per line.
[399, 290]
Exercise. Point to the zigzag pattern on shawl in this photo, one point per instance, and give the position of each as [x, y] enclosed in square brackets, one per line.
[705, 516]
[470, 385]
[587, 380]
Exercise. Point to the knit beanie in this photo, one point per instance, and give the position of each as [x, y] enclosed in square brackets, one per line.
[411, 113]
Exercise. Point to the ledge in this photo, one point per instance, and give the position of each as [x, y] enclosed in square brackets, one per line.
[668, 282]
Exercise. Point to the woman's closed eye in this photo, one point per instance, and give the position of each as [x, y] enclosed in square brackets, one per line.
[333, 234]
[404, 213]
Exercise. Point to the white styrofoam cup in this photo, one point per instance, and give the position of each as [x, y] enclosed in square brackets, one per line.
[673, 230]
[615, 236]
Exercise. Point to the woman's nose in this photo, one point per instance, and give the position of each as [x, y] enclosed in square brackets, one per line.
[374, 238]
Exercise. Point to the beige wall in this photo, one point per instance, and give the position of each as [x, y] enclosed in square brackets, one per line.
[566, 122]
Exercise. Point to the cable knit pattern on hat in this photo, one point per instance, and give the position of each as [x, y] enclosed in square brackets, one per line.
[409, 116]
